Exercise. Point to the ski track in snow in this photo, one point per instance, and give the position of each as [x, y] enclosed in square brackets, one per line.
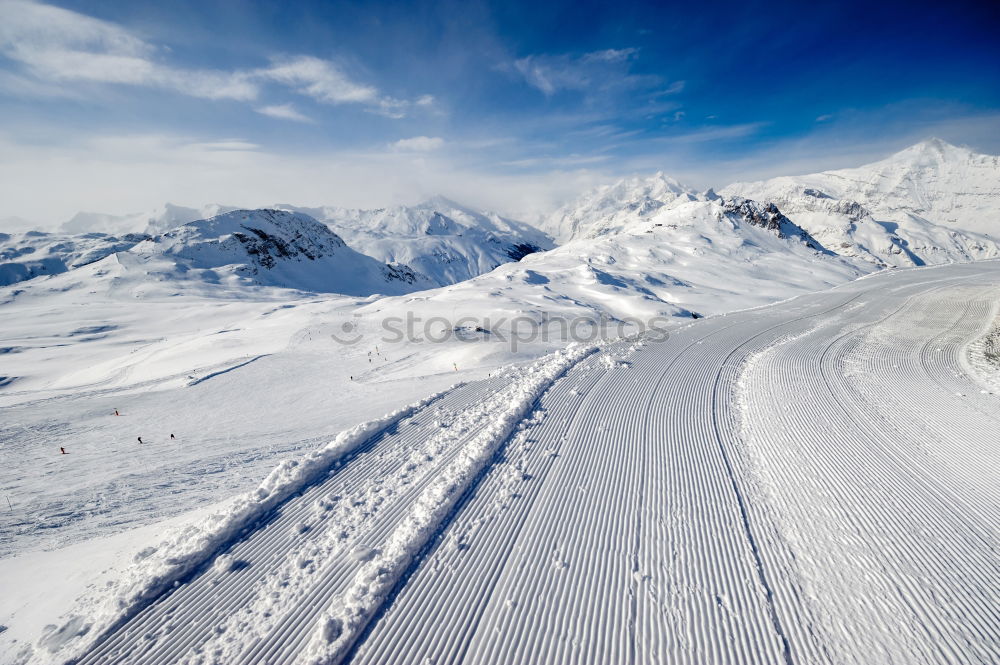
[811, 482]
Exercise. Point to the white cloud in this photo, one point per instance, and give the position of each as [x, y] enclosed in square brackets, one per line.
[319, 79]
[57, 45]
[714, 133]
[60, 45]
[824, 117]
[610, 55]
[419, 144]
[31, 27]
[16, 85]
[550, 75]
[224, 144]
[284, 112]
[598, 72]
[125, 174]
[672, 89]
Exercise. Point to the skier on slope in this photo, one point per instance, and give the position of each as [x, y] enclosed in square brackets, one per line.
[140, 439]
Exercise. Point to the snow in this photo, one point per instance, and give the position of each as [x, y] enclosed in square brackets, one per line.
[27, 255]
[610, 208]
[155, 569]
[982, 358]
[41, 585]
[931, 203]
[440, 239]
[275, 248]
[259, 247]
[723, 487]
[341, 625]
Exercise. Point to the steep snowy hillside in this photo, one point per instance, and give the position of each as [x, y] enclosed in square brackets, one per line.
[225, 253]
[930, 203]
[439, 238]
[277, 248]
[611, 208]
[158, 221]
[27, 255]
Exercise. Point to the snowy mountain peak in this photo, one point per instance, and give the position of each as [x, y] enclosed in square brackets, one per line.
[930, 203]
[932, 149]
[277, 248]
[658, 187]
[439, 202]
[610, 208]
[266, 236]
[439, 238]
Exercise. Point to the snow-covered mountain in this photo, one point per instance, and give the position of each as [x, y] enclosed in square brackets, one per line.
[27, 255]
[269, 248]
[279, 248]
[611, 208]
[439, 238]
[692, 259]
[931, 203]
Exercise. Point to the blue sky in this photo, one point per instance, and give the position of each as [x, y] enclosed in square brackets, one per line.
[120, 106]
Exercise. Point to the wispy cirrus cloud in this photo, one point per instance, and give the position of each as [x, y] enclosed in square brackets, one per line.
[605, 71]
[56, 45]
[283, 112]
[418, 144]
[319, 79]
[708, 134]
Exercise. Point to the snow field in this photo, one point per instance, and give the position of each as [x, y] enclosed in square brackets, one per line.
[314, 530]
[805, 482]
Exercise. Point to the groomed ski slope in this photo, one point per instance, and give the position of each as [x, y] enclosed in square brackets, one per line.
[816, 481]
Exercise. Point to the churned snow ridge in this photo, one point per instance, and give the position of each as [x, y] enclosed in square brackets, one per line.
[498, 416]
[156, 568]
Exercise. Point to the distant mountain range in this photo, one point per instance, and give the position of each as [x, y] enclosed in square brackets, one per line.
[440, 239]
[931, 203]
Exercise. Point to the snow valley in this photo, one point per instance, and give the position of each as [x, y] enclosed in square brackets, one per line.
[666, 425]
